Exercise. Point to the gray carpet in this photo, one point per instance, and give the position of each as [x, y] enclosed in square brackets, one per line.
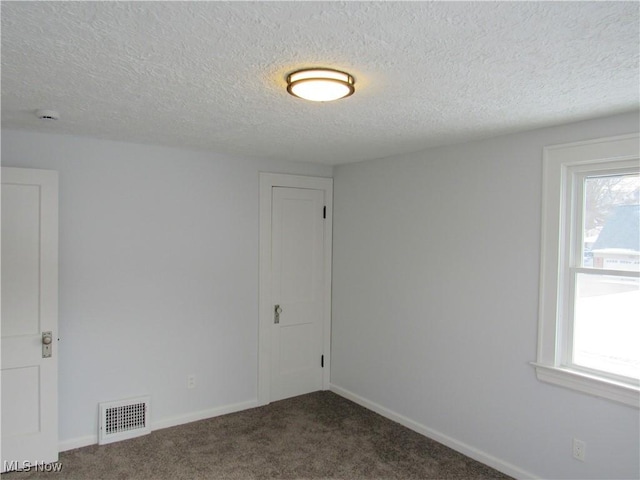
[320, 435]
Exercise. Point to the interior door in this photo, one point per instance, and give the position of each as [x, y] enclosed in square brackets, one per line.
[29, 317]
[297, 291]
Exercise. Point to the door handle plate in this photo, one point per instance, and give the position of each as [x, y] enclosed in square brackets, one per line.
[276, 314]
[47, 344]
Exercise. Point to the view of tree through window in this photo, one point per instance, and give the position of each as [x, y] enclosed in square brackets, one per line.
[606, 322]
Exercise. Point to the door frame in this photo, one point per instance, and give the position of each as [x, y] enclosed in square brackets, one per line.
[267, 182]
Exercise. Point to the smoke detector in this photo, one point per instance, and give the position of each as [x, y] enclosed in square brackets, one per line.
[47, 114]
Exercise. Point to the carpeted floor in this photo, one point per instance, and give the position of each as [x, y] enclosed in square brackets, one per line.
[315, 436]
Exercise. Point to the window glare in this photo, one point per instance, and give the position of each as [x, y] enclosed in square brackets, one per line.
[607, 325]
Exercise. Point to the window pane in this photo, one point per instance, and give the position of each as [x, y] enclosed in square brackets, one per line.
[607, 324]
[611, 233]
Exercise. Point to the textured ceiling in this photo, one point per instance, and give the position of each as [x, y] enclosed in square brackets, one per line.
[211, 75]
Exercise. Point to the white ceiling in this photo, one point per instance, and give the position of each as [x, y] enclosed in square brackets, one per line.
[211, 75]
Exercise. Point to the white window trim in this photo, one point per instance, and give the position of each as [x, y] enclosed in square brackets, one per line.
[558, 161]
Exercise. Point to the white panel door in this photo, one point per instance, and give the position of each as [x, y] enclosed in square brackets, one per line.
[29, 311]
[297, 288]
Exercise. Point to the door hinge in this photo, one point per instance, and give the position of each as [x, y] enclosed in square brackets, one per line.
[324, 212]
[322, 361]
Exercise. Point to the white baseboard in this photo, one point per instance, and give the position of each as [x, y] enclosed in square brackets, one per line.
[203, 415]
[452, 443]
[87, 440]
[77, 442]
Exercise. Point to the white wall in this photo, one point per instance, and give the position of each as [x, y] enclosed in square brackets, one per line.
[158, 275]
[435, 302]
[435, 291]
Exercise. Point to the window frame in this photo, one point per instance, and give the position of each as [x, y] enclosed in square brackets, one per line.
[563, 168]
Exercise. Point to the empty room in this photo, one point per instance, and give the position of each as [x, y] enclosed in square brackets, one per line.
[312, 240]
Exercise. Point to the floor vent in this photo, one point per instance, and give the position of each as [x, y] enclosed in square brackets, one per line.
[124, 419]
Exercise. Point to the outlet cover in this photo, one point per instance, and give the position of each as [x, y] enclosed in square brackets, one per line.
[579, 449]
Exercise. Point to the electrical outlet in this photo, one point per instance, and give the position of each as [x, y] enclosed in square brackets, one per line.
[579, 449]
[191, 381]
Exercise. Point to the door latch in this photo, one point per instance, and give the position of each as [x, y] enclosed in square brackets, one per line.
[47, 343]
[276, 314]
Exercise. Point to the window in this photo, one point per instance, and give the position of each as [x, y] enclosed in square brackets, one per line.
[589, 325]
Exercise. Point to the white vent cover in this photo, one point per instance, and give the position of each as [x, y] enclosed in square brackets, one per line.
[124, 419]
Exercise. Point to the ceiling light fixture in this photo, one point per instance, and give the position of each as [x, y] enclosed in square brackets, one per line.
[320, 84]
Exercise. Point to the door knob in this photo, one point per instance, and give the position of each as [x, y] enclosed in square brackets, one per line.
[276, 314]
[47, 340]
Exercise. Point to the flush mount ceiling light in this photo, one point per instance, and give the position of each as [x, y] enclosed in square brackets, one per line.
[320, 84]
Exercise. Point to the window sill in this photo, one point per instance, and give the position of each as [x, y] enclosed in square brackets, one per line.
[600, 387]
